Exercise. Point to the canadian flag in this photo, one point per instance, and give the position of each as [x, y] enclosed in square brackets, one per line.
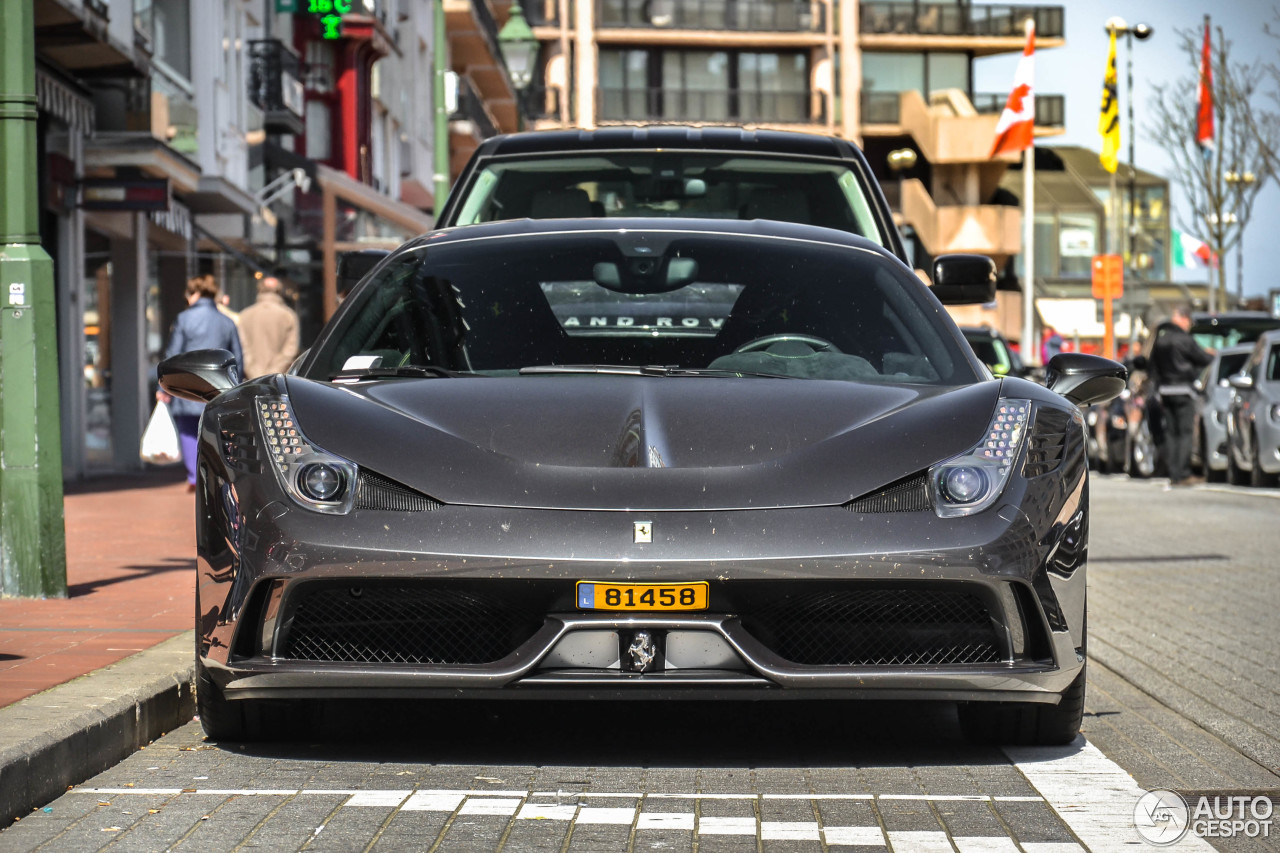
[1016, 129]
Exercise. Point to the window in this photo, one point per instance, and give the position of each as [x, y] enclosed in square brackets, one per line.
[704, 85]
[172, 44]
[923, 72]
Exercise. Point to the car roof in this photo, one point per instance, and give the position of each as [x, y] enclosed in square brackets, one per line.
[740, 227]
[665, 136]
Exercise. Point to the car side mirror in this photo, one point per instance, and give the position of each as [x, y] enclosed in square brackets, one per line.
[1241, 381]
[1085, 379]
[1198, 385]
[964, 279]
[354, 266]
[199, 375]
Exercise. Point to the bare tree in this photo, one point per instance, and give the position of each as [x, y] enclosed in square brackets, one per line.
[1220, 186]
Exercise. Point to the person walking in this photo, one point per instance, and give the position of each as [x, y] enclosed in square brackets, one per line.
[269, 329]
[201, 326]
[1176, 360]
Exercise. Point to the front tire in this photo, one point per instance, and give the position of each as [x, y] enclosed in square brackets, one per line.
[1235, 476]
[221, 719]
[1026, 723]
[1211, 474]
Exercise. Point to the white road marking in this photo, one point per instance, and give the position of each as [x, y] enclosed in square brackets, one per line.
[427, 801]
[490, 806]
[1092, 794]
[1053, 847]
[727, 826]
[383, 799]
[854, 836]
[789, 830]
[533, 811]
[980, 844]
[665, 820]
[619, 817]
[919, 842]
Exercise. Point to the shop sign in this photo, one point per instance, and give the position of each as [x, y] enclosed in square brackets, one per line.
[132, 194]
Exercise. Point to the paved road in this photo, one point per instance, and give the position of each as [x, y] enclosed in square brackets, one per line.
[1182, 696]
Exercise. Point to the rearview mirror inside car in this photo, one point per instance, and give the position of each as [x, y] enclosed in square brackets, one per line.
[199, 375]
[1085, 379]
[964, 279]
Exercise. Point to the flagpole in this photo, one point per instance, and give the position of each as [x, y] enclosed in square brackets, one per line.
[1030, 352]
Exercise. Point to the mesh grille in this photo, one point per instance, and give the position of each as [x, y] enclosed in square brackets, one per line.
[239, 447]
[878, 627]
[907, 495]
[374, 491]
[1047, 440]
[411, 625]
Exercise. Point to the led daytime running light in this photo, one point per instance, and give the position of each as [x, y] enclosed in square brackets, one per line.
[291, 454]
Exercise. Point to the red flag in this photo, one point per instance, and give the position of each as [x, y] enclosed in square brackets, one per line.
[1016, 129]
[1204, 98]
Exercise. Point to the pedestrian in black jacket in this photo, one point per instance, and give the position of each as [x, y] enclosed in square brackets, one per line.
[1176, 360]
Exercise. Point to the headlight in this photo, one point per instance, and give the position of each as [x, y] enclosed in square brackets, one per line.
[314, 478]
[971, 482]
[1275, 412]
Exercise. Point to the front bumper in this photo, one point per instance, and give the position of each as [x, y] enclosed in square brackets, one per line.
[1023, 561]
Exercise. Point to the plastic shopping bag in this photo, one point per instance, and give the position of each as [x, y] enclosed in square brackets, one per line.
[160, 444]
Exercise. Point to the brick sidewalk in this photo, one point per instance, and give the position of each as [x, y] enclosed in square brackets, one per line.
[130, 562]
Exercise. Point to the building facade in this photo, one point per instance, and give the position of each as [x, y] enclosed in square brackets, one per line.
[229, 137]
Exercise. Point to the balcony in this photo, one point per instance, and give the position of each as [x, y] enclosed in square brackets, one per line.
[1050, 109]
[885, 108]
[986, 229]
[787, 16]
[890, 23]
[471, 109]
[474, 51]
[712, 106]
[275, 86]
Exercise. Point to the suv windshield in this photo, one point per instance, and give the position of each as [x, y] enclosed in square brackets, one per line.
[670, 302]
[671, 184]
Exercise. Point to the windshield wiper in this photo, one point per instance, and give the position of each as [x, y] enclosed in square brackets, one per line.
[406, 371]
[643, 370]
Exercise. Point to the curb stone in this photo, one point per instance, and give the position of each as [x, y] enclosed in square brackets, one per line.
[71, 732]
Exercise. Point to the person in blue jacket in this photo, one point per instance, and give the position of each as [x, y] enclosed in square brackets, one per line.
[201, 326]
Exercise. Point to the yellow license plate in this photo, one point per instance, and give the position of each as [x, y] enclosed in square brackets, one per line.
[593, 595]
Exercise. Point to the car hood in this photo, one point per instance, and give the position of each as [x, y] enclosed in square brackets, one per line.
[642, 443]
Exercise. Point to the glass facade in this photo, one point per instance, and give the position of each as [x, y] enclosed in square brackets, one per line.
[704, 85]
[923, 72]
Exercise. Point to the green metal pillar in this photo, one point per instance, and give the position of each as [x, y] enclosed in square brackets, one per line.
[32, 537]
[440, 147]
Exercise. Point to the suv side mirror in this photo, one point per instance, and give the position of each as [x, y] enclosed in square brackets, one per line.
[354, 266]
[1241, 381]
[964, 279]
[1085, 379]
[199, 375]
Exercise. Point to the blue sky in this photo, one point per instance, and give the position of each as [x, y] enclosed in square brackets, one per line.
[1076, 71]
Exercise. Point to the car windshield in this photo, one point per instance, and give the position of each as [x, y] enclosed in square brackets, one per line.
[1222, 332]
[674, 303]
[672, 184]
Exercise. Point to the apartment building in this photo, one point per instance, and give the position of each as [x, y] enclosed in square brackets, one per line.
[891, 75]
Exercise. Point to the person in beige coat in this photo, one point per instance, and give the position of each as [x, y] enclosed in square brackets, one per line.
[268, 332]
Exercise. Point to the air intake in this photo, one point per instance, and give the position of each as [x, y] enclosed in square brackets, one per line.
[374, 491]
[1047, 441]
[910, 494]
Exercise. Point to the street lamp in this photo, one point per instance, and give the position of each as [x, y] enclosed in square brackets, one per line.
[1239, 180]
[519, 51]
[1141, 32]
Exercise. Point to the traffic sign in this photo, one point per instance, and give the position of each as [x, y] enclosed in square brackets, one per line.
[1108, 276]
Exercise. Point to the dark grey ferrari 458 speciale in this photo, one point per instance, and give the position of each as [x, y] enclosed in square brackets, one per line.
[645, 459]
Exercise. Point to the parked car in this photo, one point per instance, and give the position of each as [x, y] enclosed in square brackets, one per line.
[994, 351]
[1107, 430]
[1253, 421]
[645, 459]
[1231, 328]
[666, 171]
[1213, 402]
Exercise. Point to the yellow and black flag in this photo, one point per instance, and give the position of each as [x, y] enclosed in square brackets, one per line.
[1109, 121]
